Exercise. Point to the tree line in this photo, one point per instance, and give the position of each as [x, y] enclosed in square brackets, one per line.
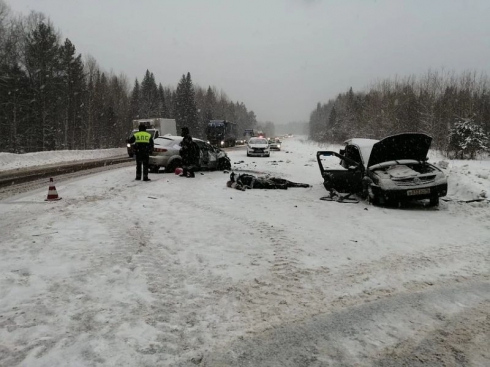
[439, 104]
[52, 99]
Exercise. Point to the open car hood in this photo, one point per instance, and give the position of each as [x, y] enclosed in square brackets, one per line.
[401, 146]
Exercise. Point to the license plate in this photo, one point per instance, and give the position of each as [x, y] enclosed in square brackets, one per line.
[418, 192]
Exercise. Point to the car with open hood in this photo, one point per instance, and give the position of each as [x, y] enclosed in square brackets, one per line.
[394, 169]
[258, 147]
[166, 154]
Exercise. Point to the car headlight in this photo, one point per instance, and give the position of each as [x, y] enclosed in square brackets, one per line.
[129, 145]
[278, 145]
[222, 142]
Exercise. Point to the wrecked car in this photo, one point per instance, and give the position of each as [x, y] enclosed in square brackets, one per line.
[394, 169]
[166, 154]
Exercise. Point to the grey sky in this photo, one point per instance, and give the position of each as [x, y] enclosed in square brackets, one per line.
[280, 57]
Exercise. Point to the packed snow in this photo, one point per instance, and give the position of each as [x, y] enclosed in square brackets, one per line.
[181, 271]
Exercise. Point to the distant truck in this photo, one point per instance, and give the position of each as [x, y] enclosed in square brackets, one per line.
[155, 126]
[221, 133]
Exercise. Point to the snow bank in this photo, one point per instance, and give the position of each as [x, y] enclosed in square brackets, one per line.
[9, 161]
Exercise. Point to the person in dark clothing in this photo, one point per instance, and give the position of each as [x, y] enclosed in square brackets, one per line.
[190, 153]
[143, 147]
[246, 181]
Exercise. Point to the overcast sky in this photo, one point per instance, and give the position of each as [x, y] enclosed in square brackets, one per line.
[279, 57]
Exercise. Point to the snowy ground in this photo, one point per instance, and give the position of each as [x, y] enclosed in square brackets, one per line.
[179, 272]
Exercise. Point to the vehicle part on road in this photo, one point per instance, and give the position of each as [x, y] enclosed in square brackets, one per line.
[336, 196]
[52, 193]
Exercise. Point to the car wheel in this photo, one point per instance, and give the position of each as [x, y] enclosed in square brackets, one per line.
[364, 194]
[130, 155]
[268, 155]
[154, 169]
[248, 155]
[224, 164]
[372, 197]
[434, 201]
[173, 165]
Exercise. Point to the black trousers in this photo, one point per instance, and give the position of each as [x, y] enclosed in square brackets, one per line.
[282, 181]
[142, 160]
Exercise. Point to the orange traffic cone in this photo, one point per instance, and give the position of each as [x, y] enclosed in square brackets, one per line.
[52, 193]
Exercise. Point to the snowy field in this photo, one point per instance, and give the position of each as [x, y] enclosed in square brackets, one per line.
[185, 272]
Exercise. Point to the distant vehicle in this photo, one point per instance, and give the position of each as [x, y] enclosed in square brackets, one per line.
[275, 144]
[389, 170]
[155, 126]
[240, 141]
[166, 154]
[249, 133]
[221, 133]
[258, 147]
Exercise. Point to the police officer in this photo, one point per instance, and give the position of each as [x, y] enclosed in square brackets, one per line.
[189, 152]
[143, 147]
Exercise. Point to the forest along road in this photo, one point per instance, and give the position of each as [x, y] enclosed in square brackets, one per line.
[185, 272]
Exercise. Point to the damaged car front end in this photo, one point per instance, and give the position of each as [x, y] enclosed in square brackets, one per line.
[394, 169]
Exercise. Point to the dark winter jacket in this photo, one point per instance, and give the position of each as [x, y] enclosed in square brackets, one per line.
[189, 151]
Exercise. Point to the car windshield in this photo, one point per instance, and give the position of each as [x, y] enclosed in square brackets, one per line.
[258, 141]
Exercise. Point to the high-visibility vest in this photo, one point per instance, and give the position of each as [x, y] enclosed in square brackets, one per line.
[142, 137]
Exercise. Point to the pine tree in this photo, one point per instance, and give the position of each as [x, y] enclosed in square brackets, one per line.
[162, 103]
[43, 65]
[185, 106]
[73, 89]
[135, 101]
[209, 104]
[192, 119]
[149, 96]
[467, 138]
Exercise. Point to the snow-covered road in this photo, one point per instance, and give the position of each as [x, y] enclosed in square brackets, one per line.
[181, 271]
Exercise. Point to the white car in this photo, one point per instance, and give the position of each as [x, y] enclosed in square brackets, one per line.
[258, 147]
[166, 154]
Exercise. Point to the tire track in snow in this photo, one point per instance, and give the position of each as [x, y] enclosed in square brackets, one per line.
[293, 291]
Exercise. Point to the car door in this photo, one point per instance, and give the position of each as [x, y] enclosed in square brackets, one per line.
[203, 159]
[342, 173]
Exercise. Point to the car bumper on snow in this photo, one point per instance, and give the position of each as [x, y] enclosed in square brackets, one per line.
[414, 193]
[160, 161]
[259, 154]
